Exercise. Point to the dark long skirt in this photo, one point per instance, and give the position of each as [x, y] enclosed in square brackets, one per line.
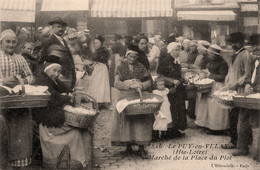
[178, 111]
[19, 133]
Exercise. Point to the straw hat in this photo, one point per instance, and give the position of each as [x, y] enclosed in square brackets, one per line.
[204, 43]
[214, 49]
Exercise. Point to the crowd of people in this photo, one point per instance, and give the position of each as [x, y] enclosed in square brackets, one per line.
[66, 60]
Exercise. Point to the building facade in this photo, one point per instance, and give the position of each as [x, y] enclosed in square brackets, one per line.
[211, 20]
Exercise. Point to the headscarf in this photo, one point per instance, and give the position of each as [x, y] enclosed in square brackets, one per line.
[50, 62]
[7, 32]
[172, 46]
[131, 49]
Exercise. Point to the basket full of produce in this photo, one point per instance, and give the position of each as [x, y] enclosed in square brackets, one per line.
[83, 114]
[144, 103]
[251, 101]
[204, 85]
[225, 97]
[24, 96]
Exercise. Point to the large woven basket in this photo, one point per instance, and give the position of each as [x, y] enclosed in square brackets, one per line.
[142, 107]
[248, 103]
[82, 120]
[24, 100]
[225, 104]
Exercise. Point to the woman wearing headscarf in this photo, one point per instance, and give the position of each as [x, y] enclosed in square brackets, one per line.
[137, 129]
[185, 52]
[56, 137]
[208, 113]
[18, 121]
[141, 41]
[99, 87]
[170, 70]
[193, 53]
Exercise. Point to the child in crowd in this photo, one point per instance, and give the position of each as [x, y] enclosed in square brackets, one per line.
[163, 117]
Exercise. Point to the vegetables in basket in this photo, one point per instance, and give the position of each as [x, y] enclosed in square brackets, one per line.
[80, 110]
[225, 94]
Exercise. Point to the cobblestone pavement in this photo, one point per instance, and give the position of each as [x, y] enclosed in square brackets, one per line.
[195, 146]
[110, 158]
[163, 154]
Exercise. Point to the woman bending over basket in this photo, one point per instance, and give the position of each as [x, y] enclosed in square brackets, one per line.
[58, 139]
[135, 129]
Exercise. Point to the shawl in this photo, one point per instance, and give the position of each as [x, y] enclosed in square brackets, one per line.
[139, 72]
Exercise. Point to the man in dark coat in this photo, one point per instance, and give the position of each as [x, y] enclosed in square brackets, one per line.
[239, 79]
[67, 63]
[245, 136]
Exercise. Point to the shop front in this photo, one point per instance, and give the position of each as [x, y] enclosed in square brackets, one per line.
[212, 26]
[75, 12]
[249, 16]
[130, 17]
[16, 14]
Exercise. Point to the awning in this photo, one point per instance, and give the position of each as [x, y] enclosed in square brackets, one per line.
[17, 10]
[227, 15]
[131, 8]
[65, 5]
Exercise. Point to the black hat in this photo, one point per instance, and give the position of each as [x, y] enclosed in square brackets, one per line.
[51, 59]
[133, 47]
[58, 20]
[254, 39]
[100, 38]
[236, 37]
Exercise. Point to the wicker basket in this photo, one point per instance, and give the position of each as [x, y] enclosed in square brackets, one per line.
[82, 120]
[226, 104]
[248, 103]
[24, 100]
[142, 107]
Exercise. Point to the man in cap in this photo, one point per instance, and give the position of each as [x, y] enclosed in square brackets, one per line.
[244, 126]
[239, 79]
[68, 68]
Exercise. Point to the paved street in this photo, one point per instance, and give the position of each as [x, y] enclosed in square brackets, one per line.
[107, 157]
[200, 148]
[195, 151]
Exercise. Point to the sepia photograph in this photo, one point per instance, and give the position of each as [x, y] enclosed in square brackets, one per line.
[129, 84]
